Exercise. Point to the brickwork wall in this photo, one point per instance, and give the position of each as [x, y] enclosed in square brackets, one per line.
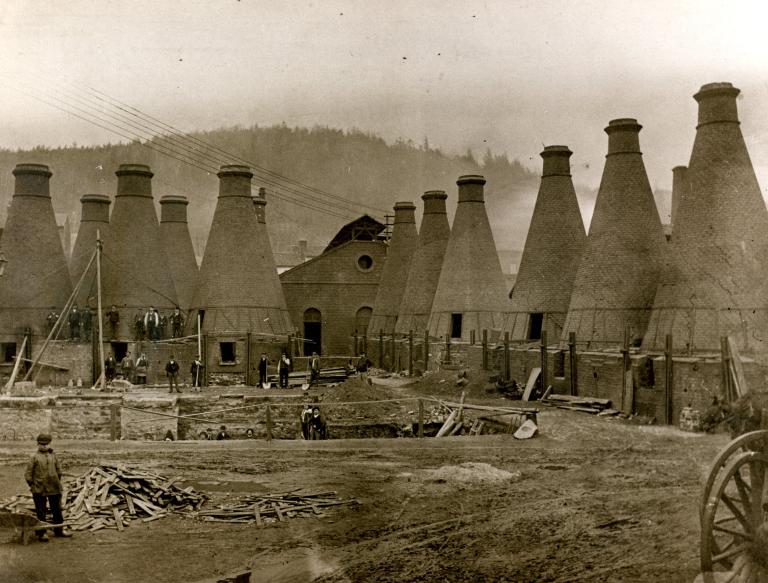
[334, 284]
[83, 417]
[23, 418]
[76, 357]
[285, 416]
[141, 425]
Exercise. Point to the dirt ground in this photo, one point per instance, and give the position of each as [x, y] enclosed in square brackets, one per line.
[589, 499]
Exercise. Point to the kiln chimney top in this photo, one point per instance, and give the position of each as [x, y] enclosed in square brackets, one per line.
[434, 202]
[556, 161]
[623, 136]
[404, 212]
[235, 180]
[134, 180]
[471, 188]
[95, 207]
[717, 103]
[32, 180]
[173, 209]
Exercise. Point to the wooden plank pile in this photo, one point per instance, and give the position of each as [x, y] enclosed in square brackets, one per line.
[264, 509]
[112, 496]
[471, 419]
[591, 405]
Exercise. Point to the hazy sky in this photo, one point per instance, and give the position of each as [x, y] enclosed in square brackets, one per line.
[509, 75]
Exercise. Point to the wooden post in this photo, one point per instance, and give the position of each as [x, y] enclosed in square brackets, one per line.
[573, 363]
[544, 375]
[421, 418]
[269, 423]
[726, 369]
[100, 319]
[381, 348]
[206, 367]
[248, 359]
[668, 384]
[426, 350]
[472, 337]
[393, 347]
[625, 368]
[28, 349]
[506, 356]
[113, 422]
[355, 351]
[447, 358]
[95, 353]
[410, 353]
[289, 349]
[485, 349]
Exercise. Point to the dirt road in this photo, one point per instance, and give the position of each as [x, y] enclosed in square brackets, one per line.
[590, 499]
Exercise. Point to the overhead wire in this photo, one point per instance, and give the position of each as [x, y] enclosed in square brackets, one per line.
[196, 148]
[181, 156]
[129, 109]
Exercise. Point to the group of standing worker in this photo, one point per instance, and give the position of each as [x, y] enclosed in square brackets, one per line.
[148, 325]
[136, 372]
[153, 326]
[79, 322]
[283, 368]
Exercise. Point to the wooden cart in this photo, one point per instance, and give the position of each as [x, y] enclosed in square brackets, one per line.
[24, 525]
[734, 512]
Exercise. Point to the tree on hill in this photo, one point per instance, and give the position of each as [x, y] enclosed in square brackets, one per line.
[355, 165]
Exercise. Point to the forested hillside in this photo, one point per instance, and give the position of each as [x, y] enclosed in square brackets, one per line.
[350, 164]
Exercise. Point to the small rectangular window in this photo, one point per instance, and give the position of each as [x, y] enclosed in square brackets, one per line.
[456, 325]
[535, 322]
[227, 352]
[8, 351]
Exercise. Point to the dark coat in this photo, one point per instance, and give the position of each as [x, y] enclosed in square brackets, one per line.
[172, 368]
[43, 473]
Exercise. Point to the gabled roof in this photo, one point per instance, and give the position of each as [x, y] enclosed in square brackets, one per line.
[365, 228]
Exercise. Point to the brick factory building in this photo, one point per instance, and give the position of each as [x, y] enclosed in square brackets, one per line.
[331, 296]
[424, 273]
[619, 269]
[471, 294]
[716, 285]
[553, 248]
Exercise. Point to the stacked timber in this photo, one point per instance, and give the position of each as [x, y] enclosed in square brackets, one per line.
[269, 508]
[591, 405]
[470, 419]
[112, 496]
[328, 376]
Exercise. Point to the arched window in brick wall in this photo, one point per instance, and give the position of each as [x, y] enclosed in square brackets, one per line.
[313, 331]
[362, 317]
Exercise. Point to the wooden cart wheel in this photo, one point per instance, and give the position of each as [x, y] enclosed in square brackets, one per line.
[733, 524]
[752, 441]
